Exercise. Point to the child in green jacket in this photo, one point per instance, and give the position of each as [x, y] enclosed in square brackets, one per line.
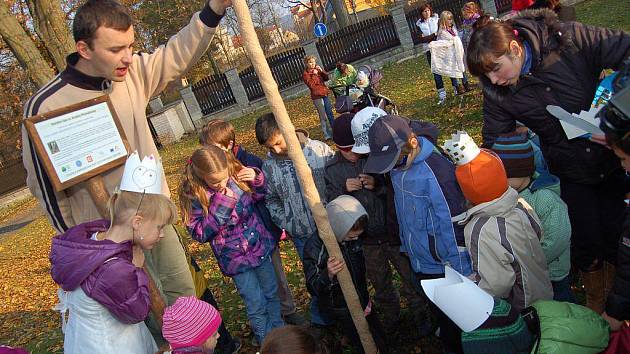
[542, 192]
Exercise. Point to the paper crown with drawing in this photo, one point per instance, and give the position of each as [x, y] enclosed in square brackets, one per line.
[460, 299]
[461, 148]
[480, 172]
[142, 176]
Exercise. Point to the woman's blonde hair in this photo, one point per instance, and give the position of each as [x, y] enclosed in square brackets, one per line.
[206, 160]
[123, 205]
[444, 17]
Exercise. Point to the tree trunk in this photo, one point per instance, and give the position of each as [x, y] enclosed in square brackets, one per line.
[302, 170]
[50, 25]
[341, 13]
[23, 47]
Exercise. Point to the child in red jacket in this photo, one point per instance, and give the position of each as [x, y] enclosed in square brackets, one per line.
[315, 77]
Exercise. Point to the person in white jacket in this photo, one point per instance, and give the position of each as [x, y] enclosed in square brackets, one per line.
[428, 25]
[448, 53]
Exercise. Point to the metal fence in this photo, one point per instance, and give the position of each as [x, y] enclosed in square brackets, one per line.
[12, 175]
[503, 6]
[358, 41]
[454, 6]
[286, 68]
[213, 93]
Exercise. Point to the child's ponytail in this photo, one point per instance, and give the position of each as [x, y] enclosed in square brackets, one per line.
[111, 205]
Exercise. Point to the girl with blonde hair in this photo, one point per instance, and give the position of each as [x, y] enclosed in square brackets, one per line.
[448, 53]
[217, 197]
[98, 265]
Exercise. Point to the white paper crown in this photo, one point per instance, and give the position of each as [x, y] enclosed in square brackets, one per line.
[142, 176]
[460, 299]
[461, 148]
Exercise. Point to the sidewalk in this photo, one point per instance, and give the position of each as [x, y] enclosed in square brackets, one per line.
[14, 196]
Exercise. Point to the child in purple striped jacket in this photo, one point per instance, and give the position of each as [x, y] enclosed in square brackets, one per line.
[217, 199]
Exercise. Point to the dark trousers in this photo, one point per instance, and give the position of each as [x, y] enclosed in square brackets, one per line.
[379, 273]
[596, 215]
[450, 334]
[225, 343]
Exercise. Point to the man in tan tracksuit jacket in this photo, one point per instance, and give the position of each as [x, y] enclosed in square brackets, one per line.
[105, 64]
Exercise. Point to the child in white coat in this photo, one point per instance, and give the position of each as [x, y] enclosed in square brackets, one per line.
[448, 53]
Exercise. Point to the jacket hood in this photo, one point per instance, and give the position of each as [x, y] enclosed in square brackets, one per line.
[302, 135]
[497, 207]
[541, 29]
[545, 181]
[425, 129]
[74, 256]
[343, 212]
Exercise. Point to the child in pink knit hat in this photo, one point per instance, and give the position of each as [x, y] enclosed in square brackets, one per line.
[191, 326]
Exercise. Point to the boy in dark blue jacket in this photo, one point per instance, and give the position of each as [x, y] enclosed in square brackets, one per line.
[220, 133]
[428, 199]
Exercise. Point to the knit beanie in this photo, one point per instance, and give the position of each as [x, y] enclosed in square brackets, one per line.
[343, 212]
[516, 153]
[504, 331]
[342, 132]
[480, 173]
[189, 322]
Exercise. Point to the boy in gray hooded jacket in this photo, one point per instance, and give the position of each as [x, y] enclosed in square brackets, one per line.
[284, 198]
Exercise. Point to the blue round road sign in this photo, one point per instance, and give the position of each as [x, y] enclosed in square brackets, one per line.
[320, 30]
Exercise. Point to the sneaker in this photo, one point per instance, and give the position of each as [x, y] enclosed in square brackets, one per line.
[255, 342]
[441, 96]
[295, 319]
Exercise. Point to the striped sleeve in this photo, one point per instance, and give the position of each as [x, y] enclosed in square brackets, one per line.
[492, 262]
[55, 205]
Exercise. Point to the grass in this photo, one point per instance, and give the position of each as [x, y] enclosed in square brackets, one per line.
[27, 294]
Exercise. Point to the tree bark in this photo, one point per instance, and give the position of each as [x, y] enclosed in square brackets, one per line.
[341, 13]
[50, 25]
[303, 171]
[23, 47]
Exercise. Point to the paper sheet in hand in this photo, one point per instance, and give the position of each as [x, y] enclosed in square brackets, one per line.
[460, 299]
[577, 125]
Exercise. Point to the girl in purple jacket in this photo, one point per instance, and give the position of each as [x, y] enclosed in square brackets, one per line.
[217, 198]
[98, 266]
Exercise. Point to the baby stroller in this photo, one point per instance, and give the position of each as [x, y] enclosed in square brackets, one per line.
[358, 95]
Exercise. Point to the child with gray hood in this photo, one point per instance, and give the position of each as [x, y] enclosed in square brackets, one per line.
[348, 220]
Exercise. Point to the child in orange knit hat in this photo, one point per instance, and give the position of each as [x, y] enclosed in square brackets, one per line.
[502, 231]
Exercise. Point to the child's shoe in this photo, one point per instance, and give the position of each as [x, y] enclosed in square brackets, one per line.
[441, 96]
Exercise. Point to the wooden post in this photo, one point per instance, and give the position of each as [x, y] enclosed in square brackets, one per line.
[303, 171]
[100, 197]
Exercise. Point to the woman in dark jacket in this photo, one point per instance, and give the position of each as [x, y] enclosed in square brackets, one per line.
[533, 61]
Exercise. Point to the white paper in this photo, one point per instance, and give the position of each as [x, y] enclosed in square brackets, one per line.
[589, 116]
[460, 299]
[80, 141]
